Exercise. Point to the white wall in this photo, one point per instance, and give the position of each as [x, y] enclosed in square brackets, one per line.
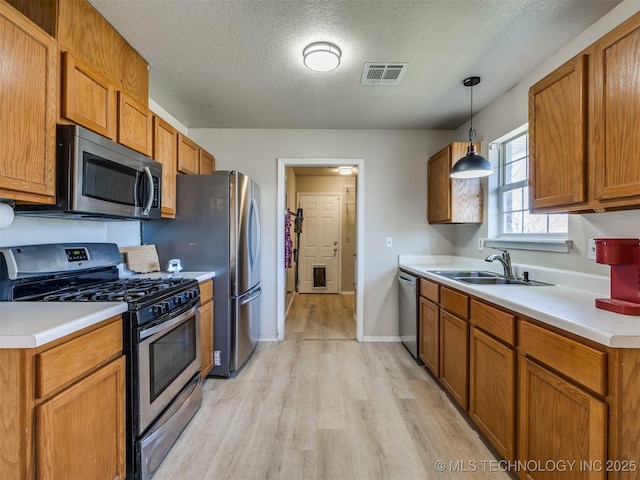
[394, 201]
[34, 231]
[510, 112]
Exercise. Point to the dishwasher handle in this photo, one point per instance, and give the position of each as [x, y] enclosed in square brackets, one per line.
[403, 277]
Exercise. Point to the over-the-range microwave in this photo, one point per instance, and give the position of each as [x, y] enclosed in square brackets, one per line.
[100, 179]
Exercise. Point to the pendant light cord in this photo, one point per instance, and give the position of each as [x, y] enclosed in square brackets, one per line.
[472, 132]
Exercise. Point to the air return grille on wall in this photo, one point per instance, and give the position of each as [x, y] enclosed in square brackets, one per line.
[383, 73]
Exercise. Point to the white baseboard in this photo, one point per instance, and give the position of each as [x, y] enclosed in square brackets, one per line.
[268, 339]
[390, 339]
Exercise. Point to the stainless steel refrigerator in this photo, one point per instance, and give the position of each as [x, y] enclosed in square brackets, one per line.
[217, 227]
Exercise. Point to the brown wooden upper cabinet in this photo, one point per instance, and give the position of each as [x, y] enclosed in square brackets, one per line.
[91, 100]
[165, 151]
[452, 200]
[207, 162]
[188, 156]
[27, 156]
[88, 98]
[192, 159]
[134, 124]
[85, 33]
[583, 124]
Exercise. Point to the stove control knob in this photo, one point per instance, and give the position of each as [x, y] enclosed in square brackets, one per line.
[178, 300]
[157, 310]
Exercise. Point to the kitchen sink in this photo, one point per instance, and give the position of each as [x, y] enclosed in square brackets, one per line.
[464, 273]
[499, 281]
[481, 277]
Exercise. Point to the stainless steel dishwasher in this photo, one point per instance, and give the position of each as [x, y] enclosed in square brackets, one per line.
[407, 300]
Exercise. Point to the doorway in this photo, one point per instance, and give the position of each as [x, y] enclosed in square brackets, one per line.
[353, 231]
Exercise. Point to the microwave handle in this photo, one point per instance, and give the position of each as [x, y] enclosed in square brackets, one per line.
[147, 207]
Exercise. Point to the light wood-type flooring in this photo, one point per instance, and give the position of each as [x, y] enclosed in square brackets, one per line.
[313, 408]
[317, 316]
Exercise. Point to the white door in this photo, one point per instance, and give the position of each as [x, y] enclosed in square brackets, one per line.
[319, 242]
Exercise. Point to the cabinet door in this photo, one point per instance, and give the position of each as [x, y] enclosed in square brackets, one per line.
[452, 200]
[81, 431]
[616, 104]
[188, 156]
[27, 110]
[559, 422]
[207, 163]
[492, 389]
[454, 357]
[557, 137]
[88, 98]
[439, 187]
[134, 124]
[165, 151]
[206, 332]
[429, 347]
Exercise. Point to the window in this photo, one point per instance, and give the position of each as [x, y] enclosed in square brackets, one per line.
[516, 221]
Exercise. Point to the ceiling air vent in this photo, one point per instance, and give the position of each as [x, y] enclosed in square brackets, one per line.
[383, 73]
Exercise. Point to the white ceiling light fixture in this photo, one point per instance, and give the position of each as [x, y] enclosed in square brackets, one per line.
[322, 56]
[345, 170]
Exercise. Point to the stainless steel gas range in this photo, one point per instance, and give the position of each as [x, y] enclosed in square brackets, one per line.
[161, 332]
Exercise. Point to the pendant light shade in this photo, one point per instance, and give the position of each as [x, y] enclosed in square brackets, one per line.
[471, 165]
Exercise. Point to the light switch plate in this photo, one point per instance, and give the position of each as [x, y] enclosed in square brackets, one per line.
[591, 250]
[389, 242]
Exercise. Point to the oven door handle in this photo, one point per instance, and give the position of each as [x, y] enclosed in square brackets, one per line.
[169, 324]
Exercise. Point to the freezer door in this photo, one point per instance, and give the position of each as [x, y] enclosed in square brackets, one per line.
[246, 327]
[246, 235]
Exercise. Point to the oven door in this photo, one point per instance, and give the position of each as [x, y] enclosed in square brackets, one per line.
[168, 357]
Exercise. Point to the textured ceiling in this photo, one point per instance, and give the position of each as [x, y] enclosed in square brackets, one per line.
[238, 63]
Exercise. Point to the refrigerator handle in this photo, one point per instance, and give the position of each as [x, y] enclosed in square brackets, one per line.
[251, 298]
[254, 208]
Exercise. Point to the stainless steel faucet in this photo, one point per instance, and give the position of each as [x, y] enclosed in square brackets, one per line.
[504, 259]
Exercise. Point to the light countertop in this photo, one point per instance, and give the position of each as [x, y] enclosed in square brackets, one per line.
[570, 309]
[32, 324]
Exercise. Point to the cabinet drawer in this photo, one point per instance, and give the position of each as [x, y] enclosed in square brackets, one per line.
[583, 364]
[66, 362]
[455, 302]
[494, 321]
[206, 291]
[429, 289]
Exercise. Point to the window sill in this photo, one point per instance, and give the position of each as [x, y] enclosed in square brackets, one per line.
[537, 244]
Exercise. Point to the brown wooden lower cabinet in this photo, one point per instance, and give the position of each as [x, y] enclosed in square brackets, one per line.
[63, 407]
[206, 332]
[454, 357]
[559, 423]
[492, 391]
[429, 345]
[206, 326]
[545, 399]
[81, 431]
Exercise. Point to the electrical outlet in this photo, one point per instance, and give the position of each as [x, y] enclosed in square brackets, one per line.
[389, 242]
[591, 249]
[481, 244]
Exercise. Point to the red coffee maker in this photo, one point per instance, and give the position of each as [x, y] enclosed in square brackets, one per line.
[623, 254]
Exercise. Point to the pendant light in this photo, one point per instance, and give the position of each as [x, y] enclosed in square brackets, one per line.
[471, 165]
